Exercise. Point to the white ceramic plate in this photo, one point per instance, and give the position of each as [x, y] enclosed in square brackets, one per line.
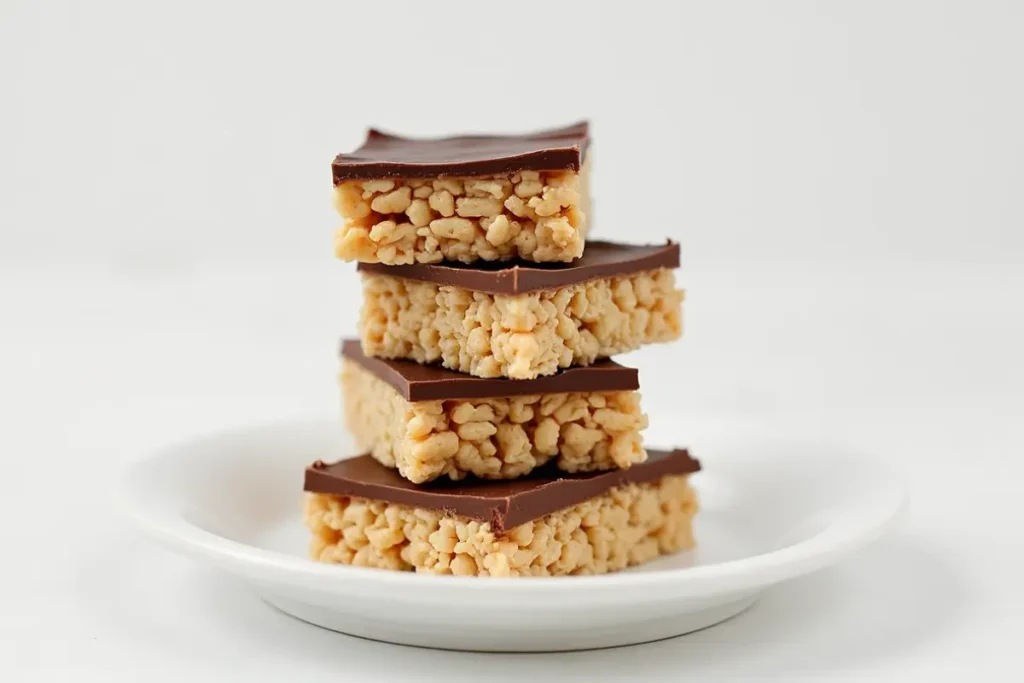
[771, 510]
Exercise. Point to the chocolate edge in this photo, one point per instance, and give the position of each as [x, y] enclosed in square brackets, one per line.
[498, 511]
[520, 274]
[571, 157]
[641, 473]
[625, 379]
[352, 350]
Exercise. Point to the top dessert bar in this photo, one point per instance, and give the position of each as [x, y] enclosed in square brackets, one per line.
[467, 198]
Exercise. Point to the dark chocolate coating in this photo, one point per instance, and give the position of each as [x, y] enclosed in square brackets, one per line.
[505, 504]
[417, 382]
[389, 156]
[600, 260]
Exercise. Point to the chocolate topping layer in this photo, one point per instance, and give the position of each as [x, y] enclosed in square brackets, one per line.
[390, 156]
[600, 260]
[417, 382]
[505, 504]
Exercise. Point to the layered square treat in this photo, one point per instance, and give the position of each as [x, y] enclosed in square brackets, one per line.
[363, 514]
[519, 321]
[429, 422]
[499, 437]
[464, 199]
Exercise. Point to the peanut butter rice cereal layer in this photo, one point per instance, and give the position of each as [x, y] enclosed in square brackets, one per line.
[465, 199]
[613, 527]
[482, 323]
[449, 425]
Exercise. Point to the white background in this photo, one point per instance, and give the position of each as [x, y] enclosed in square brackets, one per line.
[845, 178]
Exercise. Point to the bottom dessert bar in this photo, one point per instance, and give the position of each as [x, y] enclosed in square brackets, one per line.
[592, 524]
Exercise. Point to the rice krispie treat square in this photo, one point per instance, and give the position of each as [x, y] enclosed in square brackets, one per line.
[428, 422]
[363, 514]
[467, 198]
[522, 322]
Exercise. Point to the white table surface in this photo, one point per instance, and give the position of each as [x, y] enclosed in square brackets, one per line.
[924, 366]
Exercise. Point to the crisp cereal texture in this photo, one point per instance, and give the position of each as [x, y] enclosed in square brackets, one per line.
[626, 526]
[534, 215]
[517, 336]
[491, 438]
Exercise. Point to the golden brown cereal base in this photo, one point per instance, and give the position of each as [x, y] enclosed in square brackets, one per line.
[517, 336]
[626, 526]
[492, 438]
[537, 216]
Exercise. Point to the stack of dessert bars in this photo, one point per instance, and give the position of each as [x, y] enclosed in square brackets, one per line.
[499, 437]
